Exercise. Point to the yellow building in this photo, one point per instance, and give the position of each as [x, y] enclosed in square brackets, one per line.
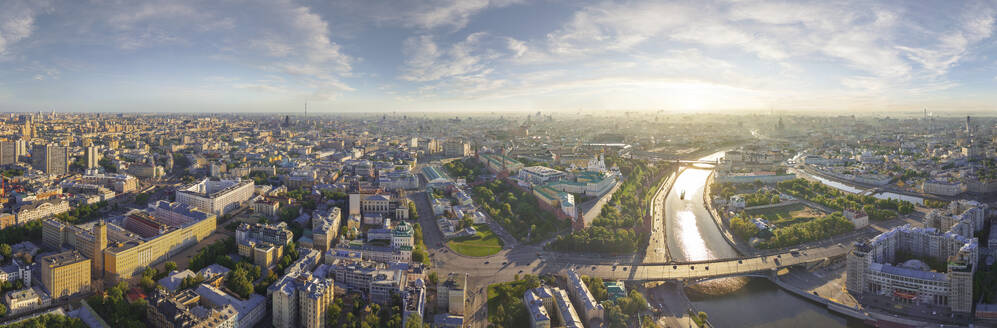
[125, 259]
[65, 274]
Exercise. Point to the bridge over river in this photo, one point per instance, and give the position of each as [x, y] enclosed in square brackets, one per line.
[712, 269]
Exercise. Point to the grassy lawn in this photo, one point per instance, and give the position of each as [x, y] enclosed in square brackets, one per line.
[483, 243]
[787, 215]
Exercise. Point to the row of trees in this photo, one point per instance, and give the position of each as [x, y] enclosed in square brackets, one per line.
[48, 321]
[363, 315]
[761, 197]
[23, 232]
[813, 230]
[932, 203]
[419, 254]
[839, 200]
[615, 229]
[82, 213]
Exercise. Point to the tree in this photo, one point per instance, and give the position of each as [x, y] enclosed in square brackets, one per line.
[414, 321]
[3, 310]
[433, 278]
[147, 283]
[238, 282]
[170, 266]
[5, 250]
[142, 199]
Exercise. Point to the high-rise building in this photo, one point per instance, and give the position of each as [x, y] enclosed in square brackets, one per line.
[51, 159]
[456, 148]
[8, 152]
[92, 157]
[20, 149]
[883, 265]
[99, 244]
[301, 301]
[65, 274]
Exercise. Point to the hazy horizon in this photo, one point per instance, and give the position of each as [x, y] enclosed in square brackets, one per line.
[498, 56]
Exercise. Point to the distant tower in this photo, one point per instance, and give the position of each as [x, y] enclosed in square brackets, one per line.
[969, 128]
[99, 244]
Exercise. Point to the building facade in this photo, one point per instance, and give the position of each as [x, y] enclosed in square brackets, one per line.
[893, 264]
[65, 274]
[217, 197]
[51, 159]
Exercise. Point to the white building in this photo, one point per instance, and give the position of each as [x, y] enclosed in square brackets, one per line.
[218, 197]
[539, 174]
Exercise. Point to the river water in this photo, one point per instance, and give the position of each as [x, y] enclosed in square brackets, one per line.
[693, 235]
[856, 190]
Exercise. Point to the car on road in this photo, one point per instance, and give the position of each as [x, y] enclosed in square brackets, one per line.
[486, 262]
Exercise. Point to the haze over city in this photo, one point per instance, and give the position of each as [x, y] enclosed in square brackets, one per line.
[498, 164]
[505, 55]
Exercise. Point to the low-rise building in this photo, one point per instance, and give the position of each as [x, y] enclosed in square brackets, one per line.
[540, 174]
[41, 210]
[183, 310]
[249, 311]
[858, 218]
[25, 300]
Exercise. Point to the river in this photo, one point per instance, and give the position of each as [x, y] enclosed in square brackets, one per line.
[693, 235]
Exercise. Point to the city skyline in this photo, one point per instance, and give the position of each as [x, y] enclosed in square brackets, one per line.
[484, 56]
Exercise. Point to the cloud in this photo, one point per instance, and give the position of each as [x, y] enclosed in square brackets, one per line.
[427, 62]
[421, 14]
[17, 21]
[952, 45]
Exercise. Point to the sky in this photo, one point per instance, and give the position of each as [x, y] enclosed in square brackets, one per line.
[496, 55]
